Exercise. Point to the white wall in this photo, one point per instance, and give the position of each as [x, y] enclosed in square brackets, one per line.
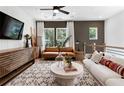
[21, 15]
[114, 30]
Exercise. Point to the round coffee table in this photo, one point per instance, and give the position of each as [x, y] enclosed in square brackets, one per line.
[66, 78]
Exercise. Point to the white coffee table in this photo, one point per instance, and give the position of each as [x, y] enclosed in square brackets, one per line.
[66, 78]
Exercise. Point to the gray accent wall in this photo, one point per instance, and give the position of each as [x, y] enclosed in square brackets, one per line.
[82, 33]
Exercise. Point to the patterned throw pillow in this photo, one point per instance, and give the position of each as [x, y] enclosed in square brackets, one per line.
[105, 62]
[113, 66]
[96, 57]
[94, 53]
[120, 70]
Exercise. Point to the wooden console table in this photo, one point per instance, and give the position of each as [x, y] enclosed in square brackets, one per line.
[13, 61]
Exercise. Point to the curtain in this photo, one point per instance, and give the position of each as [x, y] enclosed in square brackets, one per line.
[70, 27]
[40, 35]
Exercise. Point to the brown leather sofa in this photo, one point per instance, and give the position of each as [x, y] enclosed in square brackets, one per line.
[52, 53]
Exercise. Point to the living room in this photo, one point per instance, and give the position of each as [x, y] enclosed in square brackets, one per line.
[61, 46]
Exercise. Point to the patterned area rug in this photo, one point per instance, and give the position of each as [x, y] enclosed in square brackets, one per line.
[39, 74]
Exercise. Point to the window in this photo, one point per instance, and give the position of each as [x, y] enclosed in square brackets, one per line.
[93, 33]
[60, 35]
[49, 37]
[55, 36]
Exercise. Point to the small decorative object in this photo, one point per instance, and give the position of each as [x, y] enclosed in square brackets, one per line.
[68, 67]
[77, 44]
[27, 37]
[68, 60]
[59, 58]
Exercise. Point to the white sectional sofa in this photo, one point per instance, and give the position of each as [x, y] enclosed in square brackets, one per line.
[103, 74]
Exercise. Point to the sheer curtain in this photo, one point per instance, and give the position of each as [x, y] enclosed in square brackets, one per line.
[70, 27]
[40, 35]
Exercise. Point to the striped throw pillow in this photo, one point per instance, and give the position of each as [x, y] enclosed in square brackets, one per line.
[120, 70]
[113, 66]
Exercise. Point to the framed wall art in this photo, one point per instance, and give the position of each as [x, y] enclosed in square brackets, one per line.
[93, 33]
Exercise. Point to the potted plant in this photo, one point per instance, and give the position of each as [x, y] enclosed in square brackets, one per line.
[68, 61]
[61, 45]
[27, 37]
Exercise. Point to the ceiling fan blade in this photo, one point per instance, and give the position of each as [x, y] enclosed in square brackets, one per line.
[65, 12]
[46, 9]
[61, 6]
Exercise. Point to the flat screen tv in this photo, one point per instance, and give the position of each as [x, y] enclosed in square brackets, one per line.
[10, 28]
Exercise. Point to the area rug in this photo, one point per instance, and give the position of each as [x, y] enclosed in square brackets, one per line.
[39, 74]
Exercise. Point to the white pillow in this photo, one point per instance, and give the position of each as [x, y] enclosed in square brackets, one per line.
[94, 53]
[97, 57]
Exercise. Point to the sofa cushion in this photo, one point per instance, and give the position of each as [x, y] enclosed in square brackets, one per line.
[120, 70]
[113, 66]
[69, 53]
[115, 82]
[94, 53]
[50, 53]
[105, 62]
[66, 49]
[96, 57]
[88, 63]
[51, 50]
[102, 73]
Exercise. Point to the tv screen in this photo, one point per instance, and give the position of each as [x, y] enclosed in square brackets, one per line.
[10, 28]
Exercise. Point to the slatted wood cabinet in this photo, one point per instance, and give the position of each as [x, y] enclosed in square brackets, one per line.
[13, 59]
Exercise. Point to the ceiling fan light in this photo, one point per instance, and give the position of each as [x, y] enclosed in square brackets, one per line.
[56, 11]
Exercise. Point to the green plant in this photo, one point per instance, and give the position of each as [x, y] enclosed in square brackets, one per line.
[62, 44]
[27, 36]
[66, 40]
[68, 60]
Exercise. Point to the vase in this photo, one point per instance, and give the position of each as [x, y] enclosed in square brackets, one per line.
[69, 65]
[59, 58]
[26, 45]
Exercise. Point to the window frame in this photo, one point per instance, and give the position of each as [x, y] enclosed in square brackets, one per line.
[55, 35]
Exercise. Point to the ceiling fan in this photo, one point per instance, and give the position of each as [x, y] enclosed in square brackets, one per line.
[56, 9]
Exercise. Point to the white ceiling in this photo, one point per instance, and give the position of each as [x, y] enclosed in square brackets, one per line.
[76, 12]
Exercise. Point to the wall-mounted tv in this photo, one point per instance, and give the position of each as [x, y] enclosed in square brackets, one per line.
[10, 28]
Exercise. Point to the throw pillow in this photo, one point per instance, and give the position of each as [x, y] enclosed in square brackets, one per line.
[120, 70]
[113, 66]
[94, 53]
[97, 57]
[105, 62]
